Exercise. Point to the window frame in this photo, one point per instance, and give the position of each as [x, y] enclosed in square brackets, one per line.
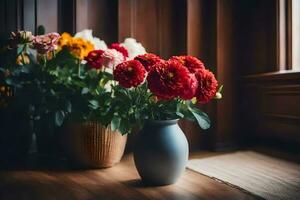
[285, 36]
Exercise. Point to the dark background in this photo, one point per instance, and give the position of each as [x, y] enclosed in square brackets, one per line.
[237, 39]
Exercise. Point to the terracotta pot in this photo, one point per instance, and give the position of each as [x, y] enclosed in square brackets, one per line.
[93, 145]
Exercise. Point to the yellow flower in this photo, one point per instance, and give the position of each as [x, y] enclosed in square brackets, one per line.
[4, 92]
[64, 39]
[22, 59]
[79, 47]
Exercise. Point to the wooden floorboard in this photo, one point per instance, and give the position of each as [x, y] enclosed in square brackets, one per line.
[116, 183]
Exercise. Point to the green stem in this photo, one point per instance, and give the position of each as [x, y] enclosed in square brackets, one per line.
[23, 59]
[152, 114]
[22, 53]
[53, 53]
[44, 61]
[79, 68]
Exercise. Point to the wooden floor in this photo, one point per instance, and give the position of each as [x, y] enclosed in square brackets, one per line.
[119, 182]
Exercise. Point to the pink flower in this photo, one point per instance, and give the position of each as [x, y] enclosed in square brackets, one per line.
[45, 43]
[112, 58]
[120, 49]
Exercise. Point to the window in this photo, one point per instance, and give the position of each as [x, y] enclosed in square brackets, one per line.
[289, 34]
[295, 18]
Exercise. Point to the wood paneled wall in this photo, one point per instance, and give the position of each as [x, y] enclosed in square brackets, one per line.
[153, 23]
[256, 40]
[268, 109]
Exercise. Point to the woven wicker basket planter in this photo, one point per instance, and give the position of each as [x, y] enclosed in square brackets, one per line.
[94, 145]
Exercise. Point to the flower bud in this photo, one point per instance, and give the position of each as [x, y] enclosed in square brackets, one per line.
[194, 100]
[218, 95]
[153, 99]
[21, 37]
[22, 59]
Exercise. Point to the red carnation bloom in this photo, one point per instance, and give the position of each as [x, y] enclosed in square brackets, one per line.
[207, 86]
[95, 59]
[148, 60]
[192, 63]
[190, 88]
[171, 79]
[130, 73]
[120, 49]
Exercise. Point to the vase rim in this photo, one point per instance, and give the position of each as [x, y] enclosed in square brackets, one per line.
[162, 122]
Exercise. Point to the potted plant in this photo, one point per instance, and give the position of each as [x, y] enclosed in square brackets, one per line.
[67, 81]
[155, 94]
[84, 65]
[34, 89]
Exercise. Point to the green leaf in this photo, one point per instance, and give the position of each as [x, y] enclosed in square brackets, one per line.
[52, 92]
[108, 75]
[92, 73]
[103, 82]
[94, 104]
[84, 90]
[20, 49]
[201, 117]
[8, 81]
[25, 69]
[68, 106]
[220, 89]
[59, 117]
[124, 127]
[115, 123]
[179, 114]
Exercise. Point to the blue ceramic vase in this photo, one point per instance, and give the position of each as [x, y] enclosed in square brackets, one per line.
[161, 152]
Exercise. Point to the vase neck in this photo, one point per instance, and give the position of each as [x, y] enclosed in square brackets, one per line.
[161, 122]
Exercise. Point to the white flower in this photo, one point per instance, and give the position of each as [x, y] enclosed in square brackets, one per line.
[109, 70]
[99, 44]
[133, 47]
[112, 58]
[108, 85]
[87, 34]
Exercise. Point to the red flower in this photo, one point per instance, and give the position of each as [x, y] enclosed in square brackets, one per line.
[130, 73]
[148, 60]
[120, 49]
[207, 86]
[171, 79]
[192, 63]
[190, 88]
[95, 59]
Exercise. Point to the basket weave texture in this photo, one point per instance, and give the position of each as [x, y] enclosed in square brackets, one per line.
[95, 145]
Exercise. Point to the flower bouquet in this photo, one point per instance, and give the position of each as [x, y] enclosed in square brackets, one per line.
[97, 91]
[32, 96]
[64, 80]
[89, 81]
[155, 93]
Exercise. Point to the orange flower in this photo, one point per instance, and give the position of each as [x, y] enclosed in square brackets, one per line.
[64, 39]
[77, 46]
